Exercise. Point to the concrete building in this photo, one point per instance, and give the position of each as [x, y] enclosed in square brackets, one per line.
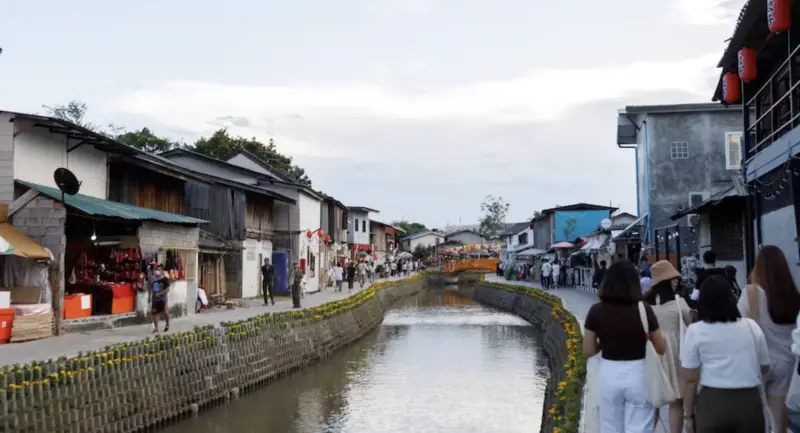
[684, 154]
[359, 229]
[426, 239]
[465, 237]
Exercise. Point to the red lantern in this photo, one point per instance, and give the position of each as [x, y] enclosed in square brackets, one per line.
[320, 233]
[327, 238]
[779, 15]
[730, 88]
[309, 234]
[747, 64]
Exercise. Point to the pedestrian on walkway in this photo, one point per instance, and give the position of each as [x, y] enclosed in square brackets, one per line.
[351, 275]
[772, 301]
[556, 273]
[793, 397]
[546, 269]
[726, 354]
[361, 269]
[371, 271]
[670, 309]
[615, 324]
[338, 275]
[297, 285]
[159, 295]
[267, 281]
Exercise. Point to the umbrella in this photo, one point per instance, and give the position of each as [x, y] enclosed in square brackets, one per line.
[562, 245]
[405, 255]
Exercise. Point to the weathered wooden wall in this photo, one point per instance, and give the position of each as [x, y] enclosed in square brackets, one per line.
[133, 185]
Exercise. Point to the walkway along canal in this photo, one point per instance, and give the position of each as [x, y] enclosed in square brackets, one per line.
[414, 366]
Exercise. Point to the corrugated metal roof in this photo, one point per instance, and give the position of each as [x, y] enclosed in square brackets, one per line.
[100, 207]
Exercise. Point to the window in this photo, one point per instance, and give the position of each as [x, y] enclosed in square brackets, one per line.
[733, 150]
[364, 226]
[679, 150]
[522, 239]
[356, 220]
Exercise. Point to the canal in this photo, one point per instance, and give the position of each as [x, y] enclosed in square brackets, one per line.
[439, 363]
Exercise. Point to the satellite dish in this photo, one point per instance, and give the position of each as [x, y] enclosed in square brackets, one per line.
[66, 181]
[605, 223]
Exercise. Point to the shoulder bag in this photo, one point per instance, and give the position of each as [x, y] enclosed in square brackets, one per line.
[752, 301]
[769, 421]
[659, 389]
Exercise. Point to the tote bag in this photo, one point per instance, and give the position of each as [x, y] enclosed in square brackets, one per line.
[769, 421]
[659, 389]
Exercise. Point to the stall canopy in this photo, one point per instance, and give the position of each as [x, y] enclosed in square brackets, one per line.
[14, 242]
[106, 208]
[562, 245]
[594, 242]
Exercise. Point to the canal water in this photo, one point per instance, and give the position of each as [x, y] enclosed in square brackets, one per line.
[439, 363]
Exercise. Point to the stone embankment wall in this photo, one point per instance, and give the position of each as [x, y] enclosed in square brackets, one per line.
[562, 342]
[136, 386]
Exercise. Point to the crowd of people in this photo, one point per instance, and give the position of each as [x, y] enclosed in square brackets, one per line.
[721, 358]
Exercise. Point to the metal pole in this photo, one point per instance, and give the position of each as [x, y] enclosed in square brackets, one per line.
[666, 244]
[655, 242]
[749, 236]
[678, 248]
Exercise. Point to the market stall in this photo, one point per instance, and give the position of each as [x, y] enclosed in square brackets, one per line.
[25, 296]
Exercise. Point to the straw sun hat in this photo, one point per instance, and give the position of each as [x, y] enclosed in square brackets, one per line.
[663, 271]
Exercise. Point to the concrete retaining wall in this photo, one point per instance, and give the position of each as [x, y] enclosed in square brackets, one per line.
[136, 386]
[567, 370]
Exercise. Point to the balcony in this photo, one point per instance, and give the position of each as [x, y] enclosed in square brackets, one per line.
[774, 106]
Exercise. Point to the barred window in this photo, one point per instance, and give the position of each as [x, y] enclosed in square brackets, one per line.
[679, 150]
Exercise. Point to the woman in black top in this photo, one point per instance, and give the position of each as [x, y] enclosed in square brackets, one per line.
[613, 325]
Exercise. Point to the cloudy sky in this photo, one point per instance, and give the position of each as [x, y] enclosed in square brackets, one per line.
[419, 108]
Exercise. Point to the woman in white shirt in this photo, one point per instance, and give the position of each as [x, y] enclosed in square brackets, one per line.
[772, 300]
[727, 355]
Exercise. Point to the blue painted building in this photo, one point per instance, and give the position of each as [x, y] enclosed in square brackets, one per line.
[567, 223]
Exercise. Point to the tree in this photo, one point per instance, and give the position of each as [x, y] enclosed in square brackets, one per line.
[221, 145]
[409, 227]
[422, 252]
[72, 111]
[494, 216]
[145, 140]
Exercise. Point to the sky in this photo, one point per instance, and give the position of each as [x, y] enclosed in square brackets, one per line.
[417, 108]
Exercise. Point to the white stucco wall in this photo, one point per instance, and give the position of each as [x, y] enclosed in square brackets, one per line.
[310, 211]
[425, 240]
[37, 154]
[251, 266]
[778, 228]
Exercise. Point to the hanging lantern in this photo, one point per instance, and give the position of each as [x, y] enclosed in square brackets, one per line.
[730, 88]
[779, 15]
[309, 234]
[747, 64]
[320, 233]
[327, 238]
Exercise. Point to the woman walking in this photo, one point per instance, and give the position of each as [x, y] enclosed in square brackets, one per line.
[351, 275]
[727, 355]
[773, 302]
[615, 324]
[670, 310]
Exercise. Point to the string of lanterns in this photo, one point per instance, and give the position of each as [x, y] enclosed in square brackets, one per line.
[777, 185]
[321, 235]
[779, 19]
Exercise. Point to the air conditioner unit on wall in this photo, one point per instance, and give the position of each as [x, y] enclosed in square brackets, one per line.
[697, 198]
[692, 220]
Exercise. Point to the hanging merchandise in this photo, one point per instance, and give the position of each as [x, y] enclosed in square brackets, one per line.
[730, 88]
[747, 64]
[779, 15]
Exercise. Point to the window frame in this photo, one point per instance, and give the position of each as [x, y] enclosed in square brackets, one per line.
[728, 164]
[673, 154]
[356, 223]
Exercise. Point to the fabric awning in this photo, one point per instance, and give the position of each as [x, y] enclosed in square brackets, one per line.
[99, 207]
[594, 242]
[14, 242]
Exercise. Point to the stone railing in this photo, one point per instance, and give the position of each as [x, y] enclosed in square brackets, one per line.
[149, 383]
[562, 342]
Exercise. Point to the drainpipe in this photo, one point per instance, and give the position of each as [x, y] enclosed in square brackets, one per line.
[648, 224]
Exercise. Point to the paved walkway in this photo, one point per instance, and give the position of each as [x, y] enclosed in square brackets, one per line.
[70, 344]
[578, 302]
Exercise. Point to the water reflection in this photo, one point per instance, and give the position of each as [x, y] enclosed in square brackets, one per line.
[440, 363]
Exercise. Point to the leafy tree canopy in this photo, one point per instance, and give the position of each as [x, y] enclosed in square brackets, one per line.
[410, 227]
[422, 252]
[494, 216]
[220, 145]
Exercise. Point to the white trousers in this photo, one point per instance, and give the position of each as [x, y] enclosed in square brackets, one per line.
[623, 403]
